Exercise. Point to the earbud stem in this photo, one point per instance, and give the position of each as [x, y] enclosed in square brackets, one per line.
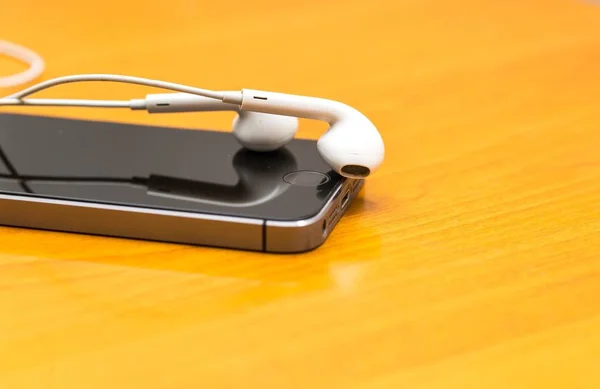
[182, 102]
[293, 105]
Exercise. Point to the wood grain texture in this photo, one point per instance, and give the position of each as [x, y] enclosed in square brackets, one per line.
[471, 260]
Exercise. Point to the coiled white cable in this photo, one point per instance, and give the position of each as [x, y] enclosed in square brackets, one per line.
[20, 53]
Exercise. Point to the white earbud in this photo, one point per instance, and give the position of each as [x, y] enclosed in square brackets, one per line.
[264, 132]
[255, 131]
[352, 146]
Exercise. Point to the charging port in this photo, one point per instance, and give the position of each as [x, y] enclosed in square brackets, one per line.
[345, 200]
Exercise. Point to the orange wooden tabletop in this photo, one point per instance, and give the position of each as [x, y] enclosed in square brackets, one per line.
[471, 260]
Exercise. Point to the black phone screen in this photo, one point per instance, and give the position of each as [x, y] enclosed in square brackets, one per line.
[161, 168]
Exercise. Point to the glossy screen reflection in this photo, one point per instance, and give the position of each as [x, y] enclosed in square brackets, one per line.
[175, 169]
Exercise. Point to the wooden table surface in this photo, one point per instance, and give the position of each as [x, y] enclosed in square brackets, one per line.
[471, 260]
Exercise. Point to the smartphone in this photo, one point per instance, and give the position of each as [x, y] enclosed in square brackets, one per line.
[177, 185]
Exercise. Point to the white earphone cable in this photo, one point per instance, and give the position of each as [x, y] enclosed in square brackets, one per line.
[68, 103]
[35, 62]
[116, 78]
[18, 98]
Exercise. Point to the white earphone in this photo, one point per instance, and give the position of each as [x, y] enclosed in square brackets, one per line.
[352, 146]
[266, 120]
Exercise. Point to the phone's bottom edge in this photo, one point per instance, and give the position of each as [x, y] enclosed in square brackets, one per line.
[174, 227]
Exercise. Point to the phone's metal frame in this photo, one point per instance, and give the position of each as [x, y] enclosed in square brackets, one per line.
[177, 226]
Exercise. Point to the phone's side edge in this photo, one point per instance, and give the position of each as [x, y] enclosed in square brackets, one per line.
[308, 234]
[131, 222]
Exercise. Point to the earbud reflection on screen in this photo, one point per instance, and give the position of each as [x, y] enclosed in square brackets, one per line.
[260, 179]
